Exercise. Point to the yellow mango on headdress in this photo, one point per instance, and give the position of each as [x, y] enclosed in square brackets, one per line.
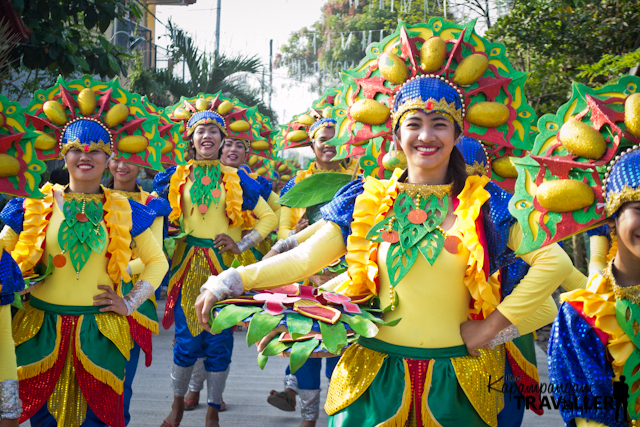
[9, 166]
[306, 119]
[55, 112]
[224, 107]
[632, 114]
[392, 68]
[181, 113]
[202, 104]
[432, 54]
[370, 112]
[240, 126]
[565, 195]
[116, 115]
[470, 69]
[44, 141]
[133, 144]
[260, 145]
[87, 101]
[582, 140]
[296, 135]
[504, 167]
[488, 114]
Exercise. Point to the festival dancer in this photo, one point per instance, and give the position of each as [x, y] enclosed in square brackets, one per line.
[73, 339]
[20, 177]
[214, 204]
[430, 363]
[593, 349]
[143, 323]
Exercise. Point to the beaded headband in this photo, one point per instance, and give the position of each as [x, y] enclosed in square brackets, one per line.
[320, 124]
[622, 180]
[86, 134]
[203, 118]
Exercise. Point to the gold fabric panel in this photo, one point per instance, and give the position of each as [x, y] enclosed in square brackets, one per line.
[26, 324]
[66, 403]
[473, 375]
[352, 376]
[115, 327]
[198, 273]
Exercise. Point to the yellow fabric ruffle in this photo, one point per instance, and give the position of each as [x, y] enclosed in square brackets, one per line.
[352, 376]
[599, 303]
[178, 179]
[233, 196]
[474, 373]
[119, 223]
[370, 208]
[96, 371]
[36, 368]
[529, 368]
[486, 293]
[116, 328]
[26, 324]
[29, 250]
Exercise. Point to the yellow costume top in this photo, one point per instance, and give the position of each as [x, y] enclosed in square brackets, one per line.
[454, 278]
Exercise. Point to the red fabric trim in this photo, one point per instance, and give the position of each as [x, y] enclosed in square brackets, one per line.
[142, 337]
[526, 383]
[418, 373]
[34, 392]
[101, 398]
[172, 298]
[591, 321]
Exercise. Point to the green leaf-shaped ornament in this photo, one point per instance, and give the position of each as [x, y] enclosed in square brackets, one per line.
[261, 324]
[298, 325]
[315, 189]
[333, 336]
[360, 325]
[300, 352]
[275, 347]
[229, 316]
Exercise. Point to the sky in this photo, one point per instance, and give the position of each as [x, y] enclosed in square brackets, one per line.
[246, 26]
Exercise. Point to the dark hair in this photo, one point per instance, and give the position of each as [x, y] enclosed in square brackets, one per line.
[457, 171]
[59, 176]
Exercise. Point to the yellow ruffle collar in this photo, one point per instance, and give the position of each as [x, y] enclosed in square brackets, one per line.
[233, 196]
[599, 303]
[372, 206]
[29, 249]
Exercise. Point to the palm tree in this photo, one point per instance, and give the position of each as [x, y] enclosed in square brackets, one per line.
[208, 74]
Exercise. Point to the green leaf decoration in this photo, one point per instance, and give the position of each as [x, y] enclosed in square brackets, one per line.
[261, 324]
[262, 360]
[315, 189]
[400, 261]
[17, 301]
[360, 325]
[401, 208]
[393, 322]
[431, 246]
[235, 263]
[333, 336]
[275, 347]
[300, 352]
[201, 193]
[229, 316]
[80, 238]
[412, 234]
[42, 271]
[367, 315]
[375, 233]
[436, 210]
[298, 325]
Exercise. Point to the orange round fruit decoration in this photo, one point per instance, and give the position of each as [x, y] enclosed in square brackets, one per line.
[59, 261]
[215, 193]
[390, 236]
[417, 216]
[205, 180]
[203, 209]
[452, 244]
[82, 217]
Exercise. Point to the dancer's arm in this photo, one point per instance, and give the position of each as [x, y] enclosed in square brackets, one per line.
[599, 248]
[136, 265]
[576, 280]
[267, 222]
[275, 207]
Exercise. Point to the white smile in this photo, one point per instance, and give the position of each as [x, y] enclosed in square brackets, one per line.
[427, 149]
[85, 167]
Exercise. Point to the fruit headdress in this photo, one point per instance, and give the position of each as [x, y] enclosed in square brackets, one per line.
[20, 168]
[93, 115]
[560, 186]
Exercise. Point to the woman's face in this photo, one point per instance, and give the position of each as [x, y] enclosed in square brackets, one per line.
[124, 174]
[628, 229]
[233, 153]
[427, 140]
[86, 166]
[206, 140]
[324, 152]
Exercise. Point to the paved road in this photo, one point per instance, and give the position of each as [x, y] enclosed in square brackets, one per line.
[246, 393]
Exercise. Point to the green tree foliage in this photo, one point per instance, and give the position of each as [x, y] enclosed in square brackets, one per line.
[207, 73]
[555, 39]
[338, 16]
[68, 35]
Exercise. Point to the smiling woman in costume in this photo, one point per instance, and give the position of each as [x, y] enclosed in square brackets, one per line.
[73, 340]
[214, 203]
[426, 243]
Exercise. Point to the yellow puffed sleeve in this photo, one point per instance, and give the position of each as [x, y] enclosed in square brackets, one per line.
[267, 220]
[599, 248]
[583, 422]
[550, 266]
[151, 255]
[310, 231]
[322, 248]
[576, 280]
[285, 223]
[9, 238]
[8, 367]
[543, 316]
[136, 265]
[275, 207]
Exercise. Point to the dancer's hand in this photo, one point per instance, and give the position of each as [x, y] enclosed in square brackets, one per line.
[204, 303]
[477, 334]
[270, 254]
[225, 243]
[6, 422]
[111, 299]
[302, 224]
[264, 342]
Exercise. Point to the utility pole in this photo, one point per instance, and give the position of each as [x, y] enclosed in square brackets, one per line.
[218, 28]
[270, 69]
